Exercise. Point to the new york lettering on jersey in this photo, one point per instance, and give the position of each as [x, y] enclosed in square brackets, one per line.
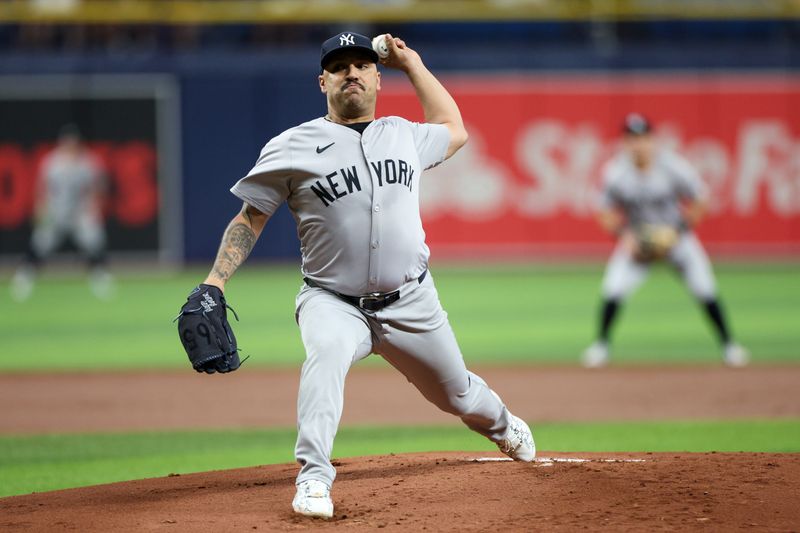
[344, 181]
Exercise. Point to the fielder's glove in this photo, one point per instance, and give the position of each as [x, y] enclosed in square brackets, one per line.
[205, 333]
[654, 241]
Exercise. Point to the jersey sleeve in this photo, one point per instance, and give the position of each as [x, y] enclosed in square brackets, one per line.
[46, 165]
[609, 197]
[688, 182]
[431, 141]
[266, 186]
[98, 181]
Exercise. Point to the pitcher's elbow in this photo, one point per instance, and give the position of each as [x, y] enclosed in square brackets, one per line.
[460, 138]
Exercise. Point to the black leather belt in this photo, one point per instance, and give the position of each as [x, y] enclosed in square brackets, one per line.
[374, 301]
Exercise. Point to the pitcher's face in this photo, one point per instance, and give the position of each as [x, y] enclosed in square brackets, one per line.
[351, 82]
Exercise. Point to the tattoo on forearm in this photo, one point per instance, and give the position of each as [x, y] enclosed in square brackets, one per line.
[237, 243]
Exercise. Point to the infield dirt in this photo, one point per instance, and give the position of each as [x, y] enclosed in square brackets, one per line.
[88, 402]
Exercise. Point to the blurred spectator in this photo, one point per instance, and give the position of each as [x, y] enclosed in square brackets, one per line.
[180, 30]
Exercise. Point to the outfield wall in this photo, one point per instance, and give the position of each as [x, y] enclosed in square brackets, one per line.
[528, 181]
[523, 186]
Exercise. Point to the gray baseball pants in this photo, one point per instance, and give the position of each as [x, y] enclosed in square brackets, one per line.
[624, 274]
[413, 335]
[85, 229]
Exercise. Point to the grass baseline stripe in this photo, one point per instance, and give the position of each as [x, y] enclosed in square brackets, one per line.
[50, 462]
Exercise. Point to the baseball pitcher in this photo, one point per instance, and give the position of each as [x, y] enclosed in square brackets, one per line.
[651, 200]
[352, 182]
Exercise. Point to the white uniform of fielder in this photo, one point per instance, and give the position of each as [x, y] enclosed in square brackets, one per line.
[67, 207]
[645, 186]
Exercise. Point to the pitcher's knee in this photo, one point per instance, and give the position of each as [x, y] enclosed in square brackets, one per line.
[466, 398]
[457, 404]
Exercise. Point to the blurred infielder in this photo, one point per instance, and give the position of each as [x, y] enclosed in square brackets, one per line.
[651, 200]
[67, 205]
[352, 183]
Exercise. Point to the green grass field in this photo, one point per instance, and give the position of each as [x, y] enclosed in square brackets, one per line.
[501, 315]
[40, 463]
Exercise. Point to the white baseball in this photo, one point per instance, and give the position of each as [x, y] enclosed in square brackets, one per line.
[379, 45]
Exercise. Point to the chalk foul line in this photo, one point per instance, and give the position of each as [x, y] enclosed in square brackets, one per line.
[549, 461]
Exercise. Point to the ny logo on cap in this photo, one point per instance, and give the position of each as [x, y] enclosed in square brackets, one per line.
[346, 39]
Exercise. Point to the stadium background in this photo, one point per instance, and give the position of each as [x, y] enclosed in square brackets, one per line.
[547, 84]
[178, 98]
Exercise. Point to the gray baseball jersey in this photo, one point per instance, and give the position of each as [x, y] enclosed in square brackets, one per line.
[70, 203]
[69, 184]
[355, 198]
[651, 197]
[654, 197]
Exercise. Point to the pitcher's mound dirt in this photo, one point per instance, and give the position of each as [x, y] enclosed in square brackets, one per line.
[446, 492]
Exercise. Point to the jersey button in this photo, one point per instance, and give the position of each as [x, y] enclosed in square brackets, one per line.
[374, 244]
[377, 208]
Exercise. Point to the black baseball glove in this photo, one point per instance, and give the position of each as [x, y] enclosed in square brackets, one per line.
[205, 333]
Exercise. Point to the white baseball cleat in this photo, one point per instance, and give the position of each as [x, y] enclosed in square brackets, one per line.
[22, 284]
[101, 283]
[735, 355]
[596, 355]
[313, 498]
[518, 443]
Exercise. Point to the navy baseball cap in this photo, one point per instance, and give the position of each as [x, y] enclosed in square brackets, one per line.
[636, 124]
[69, 131]
[347, 40]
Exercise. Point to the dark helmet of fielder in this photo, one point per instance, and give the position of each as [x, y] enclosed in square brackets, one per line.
[70, 131]
[636, 124]
[347, 40]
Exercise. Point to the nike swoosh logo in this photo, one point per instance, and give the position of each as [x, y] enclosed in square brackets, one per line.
[320, 150]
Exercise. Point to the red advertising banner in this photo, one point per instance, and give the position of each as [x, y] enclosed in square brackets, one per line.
[527, 182]
[129, 167]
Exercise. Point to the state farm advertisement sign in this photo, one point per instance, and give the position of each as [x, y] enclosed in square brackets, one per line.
[527, 181]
